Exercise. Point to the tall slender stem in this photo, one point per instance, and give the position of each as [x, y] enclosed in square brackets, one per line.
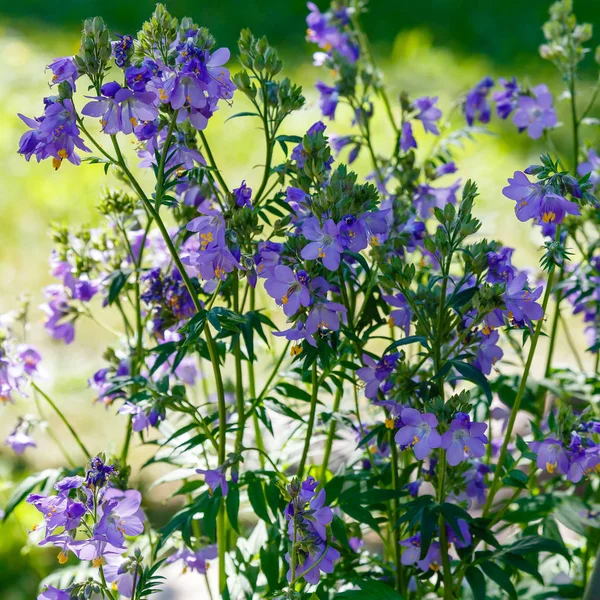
[57, 410]
[212, 350]
[517, 404]
[330, 435]
[395, 515]
[311, 420]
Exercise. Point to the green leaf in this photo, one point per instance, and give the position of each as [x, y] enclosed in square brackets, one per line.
[411, 339]
[360, 514]
[474, 375]
[476, 581]
[232, 503]
[256, 495]
[27, 486]
[500, 577]
[210, 516]
[370, 590]
[118, 280]
[269, 565]
[535, 544]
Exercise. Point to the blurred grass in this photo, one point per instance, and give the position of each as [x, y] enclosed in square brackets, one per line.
[34, 195]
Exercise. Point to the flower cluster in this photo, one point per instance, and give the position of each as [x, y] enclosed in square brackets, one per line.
[307, 518]
[91, 519]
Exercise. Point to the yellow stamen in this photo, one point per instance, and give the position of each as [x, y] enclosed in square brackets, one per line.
[62, 558]
[97, 562]
[390, 423]
[550, 467]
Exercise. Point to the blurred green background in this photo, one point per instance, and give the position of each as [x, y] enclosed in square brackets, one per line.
[431, 47]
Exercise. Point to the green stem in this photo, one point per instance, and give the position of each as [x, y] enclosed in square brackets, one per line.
[213, 164]
[265, 389]
[330, 435]
[160, 176]
[517, 404]
[311, 421]
[395, 515]
[212, 350]
[593, 585]
[239, 384]
[443, 535]
[63, 419]
[252, 390]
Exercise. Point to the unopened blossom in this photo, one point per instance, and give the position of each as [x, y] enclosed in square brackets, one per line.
[508, 98]
[328, 99]
[419, 432]
[407, 139]
[465, 439]
[535, 113]
[243, 195]
[500, 267]
[429, 197]
[476, 104]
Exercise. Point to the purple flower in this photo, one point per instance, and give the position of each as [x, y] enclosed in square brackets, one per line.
[535, 113]
[329, 98]
[120, 516]
[121, 49]
[121, 572]
[243, 195]
[55, 134]
[507, 99]
[322, 31]
[323, 317]
[445, 169]
[488, 352]
[52, 593]
[139, 419]
[98, 474]
[324, 243]
[288, 288]
[476, 104]
[554, 208]
[407, 139]
[412, 554]
[64, 69]
[500, 267]
[196, 561]
[592, 166]
[58, 511]
[356, 543]
[528, 196]
[19, 441]
[551, 455]
[418, 432]
[521, 302]
[428, 113]
[464, 439]
[376, 372]
[121, 109]
[402, 315]
[461, 538]
[428, 197]
[215, 479]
